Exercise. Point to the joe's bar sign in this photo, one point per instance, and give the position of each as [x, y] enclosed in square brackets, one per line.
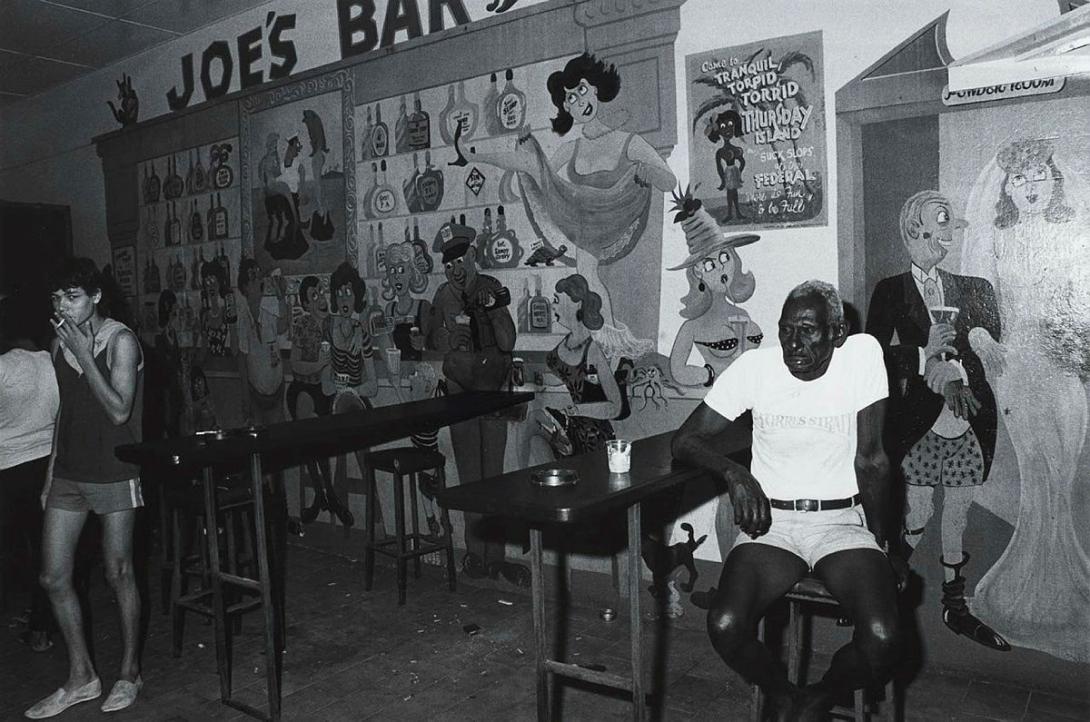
[268, 49]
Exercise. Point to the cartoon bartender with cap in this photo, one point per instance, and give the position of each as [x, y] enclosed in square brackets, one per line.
[471, 325]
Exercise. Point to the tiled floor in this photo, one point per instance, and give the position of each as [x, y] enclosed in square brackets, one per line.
[354, 655]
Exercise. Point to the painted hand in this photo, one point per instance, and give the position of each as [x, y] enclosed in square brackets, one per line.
[960, 399]
[461, 338]
[940, 340]
[941, 373]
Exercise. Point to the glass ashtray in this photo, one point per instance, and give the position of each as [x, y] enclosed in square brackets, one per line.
[554, 477]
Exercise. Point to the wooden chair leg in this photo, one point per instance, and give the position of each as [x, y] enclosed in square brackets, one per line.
[177, 555]
[414, 479]
[399, 523]
[860, 708]
[370, 497]
[758, 696]
[795, 639]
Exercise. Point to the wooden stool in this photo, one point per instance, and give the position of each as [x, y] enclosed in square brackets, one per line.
[811, 590]
[235, 505]
[406, 461]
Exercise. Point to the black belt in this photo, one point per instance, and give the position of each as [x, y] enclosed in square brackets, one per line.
[815, 504]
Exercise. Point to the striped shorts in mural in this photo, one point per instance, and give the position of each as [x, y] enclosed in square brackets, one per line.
[936, 460]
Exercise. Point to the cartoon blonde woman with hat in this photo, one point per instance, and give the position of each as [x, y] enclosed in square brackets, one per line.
[1028, 236]
[715, 325]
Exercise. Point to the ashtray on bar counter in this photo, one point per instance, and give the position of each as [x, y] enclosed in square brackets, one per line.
[244, 432]
[554, 477]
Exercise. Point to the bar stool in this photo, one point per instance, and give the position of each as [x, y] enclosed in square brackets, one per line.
[401, 462]
[811, 591]
[234, 502]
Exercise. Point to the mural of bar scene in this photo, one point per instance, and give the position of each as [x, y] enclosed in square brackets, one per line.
[554, 359]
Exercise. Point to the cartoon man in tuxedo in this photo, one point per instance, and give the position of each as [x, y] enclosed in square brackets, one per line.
[934, 327]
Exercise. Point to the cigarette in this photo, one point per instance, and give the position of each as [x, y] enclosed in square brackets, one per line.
[60, 321]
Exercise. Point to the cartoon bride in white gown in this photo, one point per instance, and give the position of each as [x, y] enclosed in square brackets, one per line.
[1029, 235]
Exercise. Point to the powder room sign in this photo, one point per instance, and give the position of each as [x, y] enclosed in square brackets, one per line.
[757, 132]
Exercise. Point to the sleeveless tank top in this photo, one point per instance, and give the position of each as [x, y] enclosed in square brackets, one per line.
[86, 437]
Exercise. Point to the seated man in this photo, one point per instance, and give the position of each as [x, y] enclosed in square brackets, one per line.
[817, 499]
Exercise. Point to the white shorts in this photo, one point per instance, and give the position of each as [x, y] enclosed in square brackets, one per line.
[811, 535]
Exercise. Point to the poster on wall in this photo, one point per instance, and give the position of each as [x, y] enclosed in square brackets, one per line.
[124, 266]
[299, 201]
[756, 124]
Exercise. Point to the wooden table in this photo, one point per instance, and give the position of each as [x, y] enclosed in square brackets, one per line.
[597, 492]
[275, 447]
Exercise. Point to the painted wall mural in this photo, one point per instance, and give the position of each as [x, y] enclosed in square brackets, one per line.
[940, 331]
[1026, 202]
[757, 132]
[296, 177]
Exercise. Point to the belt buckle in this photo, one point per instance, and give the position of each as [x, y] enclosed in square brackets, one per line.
[807, 505]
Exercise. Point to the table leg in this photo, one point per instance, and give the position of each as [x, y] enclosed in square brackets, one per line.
[537, 595]
[223, 660]
[268, 610]
[634, 571]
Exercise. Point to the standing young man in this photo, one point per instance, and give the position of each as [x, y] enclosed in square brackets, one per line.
[816, 498]
[100, 376]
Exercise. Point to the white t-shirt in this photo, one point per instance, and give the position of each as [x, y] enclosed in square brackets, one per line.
[29, 401]
[804, 432]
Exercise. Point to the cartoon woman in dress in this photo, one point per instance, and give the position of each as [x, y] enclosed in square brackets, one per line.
[217, 312]
[596, 189]
[406, 312]
[579, 363]
[352, 367]
[714, 323]
[730, 161]
[1028, 236]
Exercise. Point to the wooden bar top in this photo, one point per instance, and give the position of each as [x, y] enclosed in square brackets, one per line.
[513, 495]
[289, 441]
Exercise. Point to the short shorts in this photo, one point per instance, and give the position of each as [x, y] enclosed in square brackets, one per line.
[99, 498]
[936, 460]
[812, 535]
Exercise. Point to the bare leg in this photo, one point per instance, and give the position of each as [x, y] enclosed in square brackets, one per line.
[862, 581]
[753, 577]
[59, 541]
[956, 501]
[921, 505]
[117, 529]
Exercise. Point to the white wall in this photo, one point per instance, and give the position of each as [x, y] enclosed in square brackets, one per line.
[47, 155]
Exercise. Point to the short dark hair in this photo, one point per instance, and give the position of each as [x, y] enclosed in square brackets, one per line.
[77, 272]
[346, 275]
[216, 270]
[244, 273]
[713, 132]
[305, 285]
[603, 76]
[590, 303]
